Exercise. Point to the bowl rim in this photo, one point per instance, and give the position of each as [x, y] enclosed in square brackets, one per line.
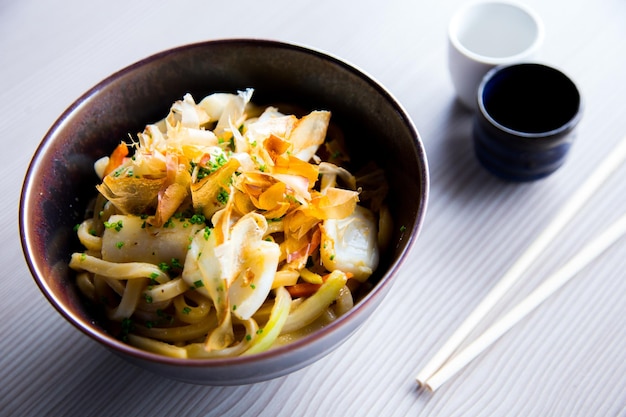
[27, 199]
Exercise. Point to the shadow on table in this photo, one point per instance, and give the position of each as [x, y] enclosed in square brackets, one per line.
[455, 171]
[96, 382]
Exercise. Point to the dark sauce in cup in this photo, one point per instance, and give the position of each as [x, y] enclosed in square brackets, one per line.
[531, 98]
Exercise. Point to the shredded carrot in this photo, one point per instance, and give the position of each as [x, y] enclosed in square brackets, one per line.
[306, 289]
[303, 289]
[116, 158]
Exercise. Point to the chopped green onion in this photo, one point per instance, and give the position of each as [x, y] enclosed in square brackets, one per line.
[197, 219]
[115, 225]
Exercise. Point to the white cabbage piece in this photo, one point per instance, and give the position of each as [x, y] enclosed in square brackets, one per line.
[351, 244]
[241, 268]
[127, 238]
[248, 264]
[252, 285]
[202, 271]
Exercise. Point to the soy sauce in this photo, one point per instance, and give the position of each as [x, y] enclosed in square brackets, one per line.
[531, 98]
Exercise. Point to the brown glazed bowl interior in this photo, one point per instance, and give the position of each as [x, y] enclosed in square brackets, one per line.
[60, 180]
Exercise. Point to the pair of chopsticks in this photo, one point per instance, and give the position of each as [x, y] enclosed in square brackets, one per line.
[438, 371]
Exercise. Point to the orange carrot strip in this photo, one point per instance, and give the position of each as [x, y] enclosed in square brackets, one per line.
[116, 158]
[304, 289]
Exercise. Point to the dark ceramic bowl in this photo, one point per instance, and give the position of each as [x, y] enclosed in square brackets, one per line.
[60, 179]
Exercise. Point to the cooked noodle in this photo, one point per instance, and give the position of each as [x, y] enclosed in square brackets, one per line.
[229, 229]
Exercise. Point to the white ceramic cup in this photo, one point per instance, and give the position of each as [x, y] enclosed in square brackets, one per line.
[486, 34]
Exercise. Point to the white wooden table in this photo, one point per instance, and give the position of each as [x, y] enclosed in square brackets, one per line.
[568, 358]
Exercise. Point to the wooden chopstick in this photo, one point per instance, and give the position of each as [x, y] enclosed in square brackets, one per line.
[567, 212]
[528, 304]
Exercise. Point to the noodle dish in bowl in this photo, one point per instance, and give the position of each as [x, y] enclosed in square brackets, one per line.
[225, 212]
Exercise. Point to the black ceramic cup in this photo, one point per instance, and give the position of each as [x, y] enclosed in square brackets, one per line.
[525, 122]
